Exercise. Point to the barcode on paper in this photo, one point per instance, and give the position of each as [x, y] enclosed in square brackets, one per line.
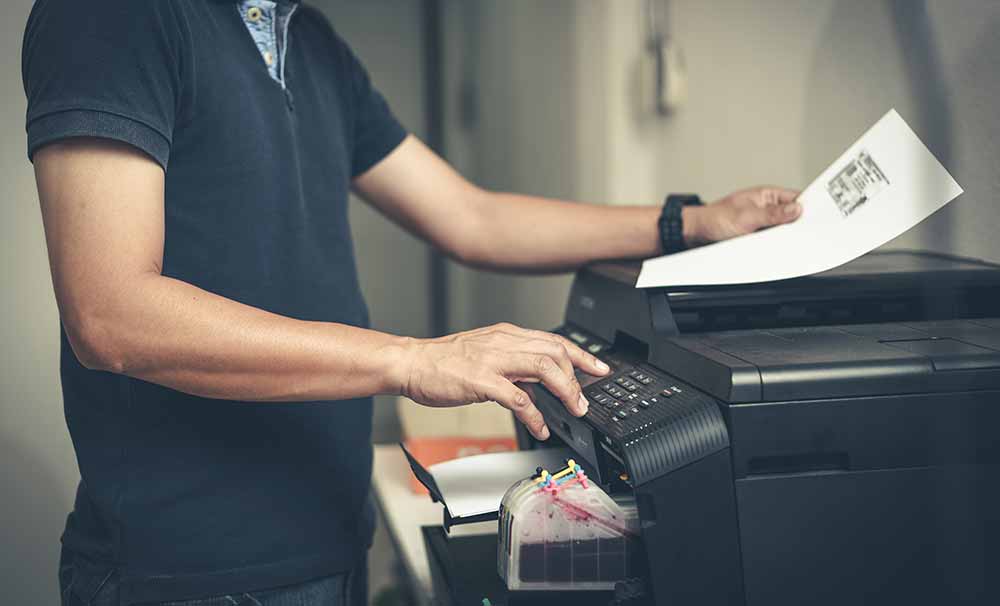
[858, 182]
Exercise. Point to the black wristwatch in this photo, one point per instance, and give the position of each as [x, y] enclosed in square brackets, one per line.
[672, 221]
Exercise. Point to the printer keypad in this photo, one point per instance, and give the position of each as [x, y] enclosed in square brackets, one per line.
[614, 391]
[627, 383]
[630, 399]
[641, 377]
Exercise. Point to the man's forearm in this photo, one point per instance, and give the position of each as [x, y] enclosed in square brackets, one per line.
[539, 234]
[175, 334]
[504, 231]
[103, 212]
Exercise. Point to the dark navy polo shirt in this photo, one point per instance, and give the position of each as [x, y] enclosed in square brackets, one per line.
[260, 115]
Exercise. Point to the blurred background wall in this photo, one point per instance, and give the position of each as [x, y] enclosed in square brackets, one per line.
[545, 98]
[776, 90]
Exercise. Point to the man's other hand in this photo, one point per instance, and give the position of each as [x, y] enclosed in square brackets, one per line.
[740, 213]
[498, 363]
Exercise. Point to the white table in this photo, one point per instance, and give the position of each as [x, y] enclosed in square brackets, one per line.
[404, 512]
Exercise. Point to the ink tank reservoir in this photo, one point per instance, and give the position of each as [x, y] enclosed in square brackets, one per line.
[562, 532]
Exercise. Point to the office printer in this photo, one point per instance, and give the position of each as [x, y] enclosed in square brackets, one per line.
[833, 439]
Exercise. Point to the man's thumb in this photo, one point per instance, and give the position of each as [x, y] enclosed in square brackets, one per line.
[781, 213]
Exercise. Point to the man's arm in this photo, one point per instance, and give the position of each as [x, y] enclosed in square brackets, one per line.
[102, 206]
[496, 230]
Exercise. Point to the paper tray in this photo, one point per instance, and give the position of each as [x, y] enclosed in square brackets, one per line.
[471, 488]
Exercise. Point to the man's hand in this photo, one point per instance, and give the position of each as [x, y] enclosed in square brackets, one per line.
[495, 363]
[740, 213]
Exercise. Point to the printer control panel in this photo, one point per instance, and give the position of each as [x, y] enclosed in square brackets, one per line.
[640, 418]
[630, 399]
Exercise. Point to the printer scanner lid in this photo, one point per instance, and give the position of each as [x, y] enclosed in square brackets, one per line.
[910, 322]
[881, 270]
[888, 322]
[808, 363]
[883, 286]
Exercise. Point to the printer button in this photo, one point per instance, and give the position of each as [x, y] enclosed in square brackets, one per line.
[622, 414]
[634, 410]
[595, 348]
[666, 393]
[644, 403]
[645, 380]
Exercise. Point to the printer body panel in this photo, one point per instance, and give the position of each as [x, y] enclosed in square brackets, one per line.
[883, 432]
[919, 535]
[854, 458]
[886, 499]
[691, 535]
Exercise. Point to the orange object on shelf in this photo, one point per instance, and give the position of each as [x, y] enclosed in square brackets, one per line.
[431, 450]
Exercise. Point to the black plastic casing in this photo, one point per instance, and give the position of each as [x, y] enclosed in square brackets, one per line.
[838, 442]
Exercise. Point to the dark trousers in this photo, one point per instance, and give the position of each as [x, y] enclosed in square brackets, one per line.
[84, 585]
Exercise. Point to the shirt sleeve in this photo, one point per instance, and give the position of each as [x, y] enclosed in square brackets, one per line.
[108, 69]
[376, 130]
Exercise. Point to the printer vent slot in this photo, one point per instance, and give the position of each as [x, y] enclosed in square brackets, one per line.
[798, 463]
[695, 430]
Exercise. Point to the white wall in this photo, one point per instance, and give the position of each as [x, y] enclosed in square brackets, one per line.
[37, 467]
[516, 62]
[777, 89]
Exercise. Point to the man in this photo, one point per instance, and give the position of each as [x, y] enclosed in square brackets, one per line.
[193, 160]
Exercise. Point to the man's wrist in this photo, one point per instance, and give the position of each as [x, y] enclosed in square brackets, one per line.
[694, 220]
[679, 229]
[396, 361]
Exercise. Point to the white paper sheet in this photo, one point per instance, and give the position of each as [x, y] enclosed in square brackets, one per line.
[475, 485]
[883, 185]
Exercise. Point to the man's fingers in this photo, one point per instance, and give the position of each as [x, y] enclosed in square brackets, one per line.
[517, 400]
[584, 361]
[528, 389]
[780, 213]
[785, 196]
[543, 369]
[577, 356]
[768, 196]
[552, 349]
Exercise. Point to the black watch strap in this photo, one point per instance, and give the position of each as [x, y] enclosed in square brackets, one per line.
[672, 221]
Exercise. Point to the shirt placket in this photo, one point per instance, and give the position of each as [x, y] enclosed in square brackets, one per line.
[267, 22]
